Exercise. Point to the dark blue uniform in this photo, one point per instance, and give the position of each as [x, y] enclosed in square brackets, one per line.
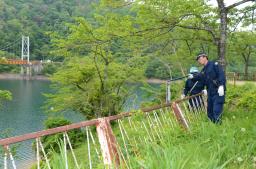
[213, 76]
[192, 88]
[197, 88]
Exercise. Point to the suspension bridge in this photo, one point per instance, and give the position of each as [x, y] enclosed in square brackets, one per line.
[116, 140]
[18, 53]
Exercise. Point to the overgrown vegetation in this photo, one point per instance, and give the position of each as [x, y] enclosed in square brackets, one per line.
[5, 95]
[207, 145]
[51, 142]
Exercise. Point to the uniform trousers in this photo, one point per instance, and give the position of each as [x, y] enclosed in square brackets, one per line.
[215, 107]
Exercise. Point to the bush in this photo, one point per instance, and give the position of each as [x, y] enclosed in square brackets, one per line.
[49, 69]
[241, 97]
[50, 143]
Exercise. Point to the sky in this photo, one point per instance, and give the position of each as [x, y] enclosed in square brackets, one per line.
[230, 2]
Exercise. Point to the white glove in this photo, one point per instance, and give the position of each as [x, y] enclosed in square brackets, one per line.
[190, 76]
[204, 92]
[221, 90]
[182, 96]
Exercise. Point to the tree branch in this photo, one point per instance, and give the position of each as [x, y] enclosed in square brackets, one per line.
[237, 4]
[200, 28]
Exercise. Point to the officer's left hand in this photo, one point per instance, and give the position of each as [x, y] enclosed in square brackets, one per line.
[190, 76]
[221, 90]
[204, 92]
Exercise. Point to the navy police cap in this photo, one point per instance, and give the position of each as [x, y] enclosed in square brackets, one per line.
[200, 55]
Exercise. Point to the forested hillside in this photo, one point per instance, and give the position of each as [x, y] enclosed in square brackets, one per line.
[36, 18]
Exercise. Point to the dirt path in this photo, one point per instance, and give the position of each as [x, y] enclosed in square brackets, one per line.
[159, 81]
[241, 82]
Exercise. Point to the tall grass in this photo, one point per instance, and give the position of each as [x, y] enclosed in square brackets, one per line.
[230, 145]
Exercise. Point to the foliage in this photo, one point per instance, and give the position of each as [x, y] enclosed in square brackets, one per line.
[159, 93]
[241, 97]
[95, 77]
[206, 145]
[5, 95]
[49, 69]
[157, 68]
[50, 143]
[35, 19]
[242, 46]
[3, 66]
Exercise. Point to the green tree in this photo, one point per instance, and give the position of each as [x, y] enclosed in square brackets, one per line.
[158, 18]
[243, 45]
[95, 80]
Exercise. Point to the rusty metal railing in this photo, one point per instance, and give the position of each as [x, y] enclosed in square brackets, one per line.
[114, 150]
[190, 109]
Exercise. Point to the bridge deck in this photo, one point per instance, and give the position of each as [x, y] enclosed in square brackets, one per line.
[19, 62]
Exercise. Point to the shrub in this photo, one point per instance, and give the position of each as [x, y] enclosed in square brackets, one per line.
[50, 142]
[241, 97]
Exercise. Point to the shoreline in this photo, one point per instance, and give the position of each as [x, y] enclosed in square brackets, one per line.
[13, 76]
[156, 81]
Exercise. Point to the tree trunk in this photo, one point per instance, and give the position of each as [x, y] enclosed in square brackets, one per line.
[246, 70]
[223, 38]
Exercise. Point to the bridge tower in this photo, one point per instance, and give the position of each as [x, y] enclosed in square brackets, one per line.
[25, 55]
[25, 48]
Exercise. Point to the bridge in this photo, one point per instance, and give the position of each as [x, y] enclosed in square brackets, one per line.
[19, 62]
[112, 146]
[12, 49]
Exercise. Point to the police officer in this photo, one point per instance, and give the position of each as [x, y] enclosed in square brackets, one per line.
[192, 88]
[214, 78]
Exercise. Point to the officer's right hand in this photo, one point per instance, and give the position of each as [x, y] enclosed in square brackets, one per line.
[190, 76]
[204, 92]
[221, 90]
[182, 96]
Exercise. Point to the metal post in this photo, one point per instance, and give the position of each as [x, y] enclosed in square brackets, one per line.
[179, 115]
[108, 143]
[168, 91]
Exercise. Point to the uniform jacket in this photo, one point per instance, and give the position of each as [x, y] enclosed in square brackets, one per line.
[197, 88]
[213, 76]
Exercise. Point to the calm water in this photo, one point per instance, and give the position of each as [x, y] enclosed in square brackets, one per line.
[24, 114]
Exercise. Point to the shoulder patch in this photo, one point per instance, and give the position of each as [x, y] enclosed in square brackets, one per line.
[216, 63]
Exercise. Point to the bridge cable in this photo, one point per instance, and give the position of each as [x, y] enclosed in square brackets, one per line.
[10, 45]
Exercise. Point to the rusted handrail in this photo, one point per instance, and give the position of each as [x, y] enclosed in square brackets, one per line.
[94, 122]
[188, 97]
[12, 140]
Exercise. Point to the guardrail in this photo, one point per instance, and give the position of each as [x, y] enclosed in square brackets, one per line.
[236, 76]
[115, 151]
